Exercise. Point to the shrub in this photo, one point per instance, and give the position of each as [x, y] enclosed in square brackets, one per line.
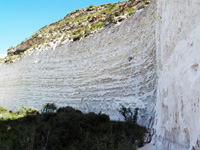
[3, 110]
[27, 111]
[49, 107]
[90, 8]
[69, 129]
[73, 12]
[142, 5]
[77, 37]
[77, 31]
[9, 59]
[97, 25]
[128, 114]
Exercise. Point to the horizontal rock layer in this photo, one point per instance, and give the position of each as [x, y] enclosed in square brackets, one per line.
[99, 73]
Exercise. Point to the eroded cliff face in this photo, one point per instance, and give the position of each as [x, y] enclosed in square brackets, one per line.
[99, 73]
[177, 120]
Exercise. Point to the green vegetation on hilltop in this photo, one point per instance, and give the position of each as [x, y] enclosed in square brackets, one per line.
[68, 129]
[12, 57]
[79, 24]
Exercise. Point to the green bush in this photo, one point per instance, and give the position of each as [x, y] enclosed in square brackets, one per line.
[69, 129]
[3, 110]
[49, 107]
[128, 115]
[77, 37]
[77, 31]
[97, 25]
[142, 5]
[27, 111]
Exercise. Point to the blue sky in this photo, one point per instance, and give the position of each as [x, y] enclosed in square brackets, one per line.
[19, 19]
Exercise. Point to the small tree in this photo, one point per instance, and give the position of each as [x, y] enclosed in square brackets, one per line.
[49, 107]
[128, 114]
[135, 116]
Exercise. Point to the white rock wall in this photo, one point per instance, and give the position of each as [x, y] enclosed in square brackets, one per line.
[94, 74]
[177, 120]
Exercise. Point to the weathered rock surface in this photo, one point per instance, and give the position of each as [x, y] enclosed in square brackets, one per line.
[99, 73]
[25, 45]
[117, 66]
[178, 54]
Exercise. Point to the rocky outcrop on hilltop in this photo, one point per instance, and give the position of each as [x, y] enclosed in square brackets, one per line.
[25, 45]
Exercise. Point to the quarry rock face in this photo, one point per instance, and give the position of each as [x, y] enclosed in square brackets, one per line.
[144, 61]
[113, 67]
[177, 121]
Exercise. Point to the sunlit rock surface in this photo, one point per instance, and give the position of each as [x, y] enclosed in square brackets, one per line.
[113, 67]
[178, 53]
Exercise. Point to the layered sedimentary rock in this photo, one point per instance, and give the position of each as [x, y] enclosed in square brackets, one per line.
[178, 54]
[113, 67]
